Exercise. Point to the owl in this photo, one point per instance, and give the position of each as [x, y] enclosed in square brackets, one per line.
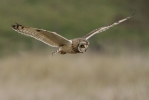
[64, 45]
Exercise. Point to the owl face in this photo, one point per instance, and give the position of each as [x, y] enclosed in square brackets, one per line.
[83, 46]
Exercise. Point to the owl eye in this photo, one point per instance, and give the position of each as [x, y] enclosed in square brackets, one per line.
[82, 46]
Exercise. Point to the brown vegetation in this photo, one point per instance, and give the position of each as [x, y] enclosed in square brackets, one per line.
[36, 76]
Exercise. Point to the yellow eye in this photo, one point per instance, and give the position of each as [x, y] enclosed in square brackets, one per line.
[82, 46]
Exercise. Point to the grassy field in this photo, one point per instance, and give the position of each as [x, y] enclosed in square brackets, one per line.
[89, 76]
[116, 67]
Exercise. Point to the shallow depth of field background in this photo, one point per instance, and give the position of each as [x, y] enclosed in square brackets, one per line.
[115, 67]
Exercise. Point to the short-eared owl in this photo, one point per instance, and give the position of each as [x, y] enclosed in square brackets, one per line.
[77, 45]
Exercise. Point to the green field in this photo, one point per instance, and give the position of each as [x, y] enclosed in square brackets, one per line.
[74, 19]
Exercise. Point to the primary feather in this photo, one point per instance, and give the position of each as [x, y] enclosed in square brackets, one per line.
[50, 38]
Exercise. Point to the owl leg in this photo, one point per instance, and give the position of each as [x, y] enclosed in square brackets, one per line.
[57, 51]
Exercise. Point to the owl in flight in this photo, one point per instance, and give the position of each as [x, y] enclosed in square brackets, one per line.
[73, 46]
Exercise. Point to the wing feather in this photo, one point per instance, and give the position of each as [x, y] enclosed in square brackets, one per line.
[50, 38]
[101, 29]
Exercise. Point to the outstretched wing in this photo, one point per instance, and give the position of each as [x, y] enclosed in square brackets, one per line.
[50, 38]
[101, 29]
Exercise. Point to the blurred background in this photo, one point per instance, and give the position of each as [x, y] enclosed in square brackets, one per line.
[115, 67]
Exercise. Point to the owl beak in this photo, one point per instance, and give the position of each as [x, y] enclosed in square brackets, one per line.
[86, 46]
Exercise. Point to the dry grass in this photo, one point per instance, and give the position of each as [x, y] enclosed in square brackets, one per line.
[36, 76]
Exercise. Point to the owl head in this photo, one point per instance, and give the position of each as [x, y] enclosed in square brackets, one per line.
[83, 46]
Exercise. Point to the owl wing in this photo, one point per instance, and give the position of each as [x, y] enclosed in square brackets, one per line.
[101, 29]
[50, 38]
